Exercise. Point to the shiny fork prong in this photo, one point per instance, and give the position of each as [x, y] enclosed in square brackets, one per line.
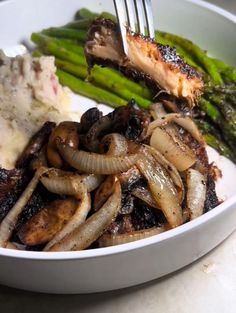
[131, 15]
[147, 4]
[120, 8]
[140, 16]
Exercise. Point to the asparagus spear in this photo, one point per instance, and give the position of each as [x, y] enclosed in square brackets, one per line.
[214, 139]
[88, 90]
[225, 107]
[228, 72]
[79, 24]
[217, 144]
[70, 33]
[97, 76]
[85, 13]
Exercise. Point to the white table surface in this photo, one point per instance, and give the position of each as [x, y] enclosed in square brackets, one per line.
[207, 286]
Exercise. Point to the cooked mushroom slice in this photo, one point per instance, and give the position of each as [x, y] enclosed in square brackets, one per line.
[68, 133]
[83, 236]
[43, 226]
[88, 119]
[39, 160]
[9, 222]
[88, 162]
[107, 240]
[35, 144]
[162, 190]
[196, 193]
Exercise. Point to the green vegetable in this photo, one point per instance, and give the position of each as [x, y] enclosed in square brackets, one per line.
[88, 90]
[80, 35]
[98, 77]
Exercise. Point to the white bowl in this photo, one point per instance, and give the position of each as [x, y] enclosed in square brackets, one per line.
[133, 263]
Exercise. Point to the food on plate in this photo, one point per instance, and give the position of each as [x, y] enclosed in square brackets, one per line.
[30, 95]
[110, 179]
[113, 182]
[215, 113]
[159, 65]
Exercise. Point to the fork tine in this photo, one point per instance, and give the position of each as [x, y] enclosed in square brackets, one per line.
[149, 18]
[130, 14]
[140, 17]
[121, 16]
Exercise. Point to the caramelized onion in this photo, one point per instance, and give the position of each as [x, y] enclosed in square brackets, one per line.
[184, 121]
[162, 121]
[92, 181]
[175, 151]
[196, 193]
[67, 183]
[188, 124]
[116, 143]
[88, 162]
[83, 236]
[170, 168]
[77, 219]
[162, 190]
[9, 222]
[107, 240]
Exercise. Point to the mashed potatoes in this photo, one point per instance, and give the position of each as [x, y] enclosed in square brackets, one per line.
[30, 94]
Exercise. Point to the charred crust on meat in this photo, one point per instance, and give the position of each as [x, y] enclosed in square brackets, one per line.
[188, 83]
[12, 184]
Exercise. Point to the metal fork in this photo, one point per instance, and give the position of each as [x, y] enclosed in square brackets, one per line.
[136, 15]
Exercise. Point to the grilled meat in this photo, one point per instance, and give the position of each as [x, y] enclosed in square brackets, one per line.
[146, 60]
[43, 226]
[12, 184]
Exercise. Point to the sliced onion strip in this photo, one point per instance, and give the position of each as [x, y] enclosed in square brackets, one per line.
[162, 190]
[66, 183]
[196, 193]
[107, 240]
[117, 144]
[88, 162]
[162, 121]
[175, 151]
[83, 236]
[170, 168]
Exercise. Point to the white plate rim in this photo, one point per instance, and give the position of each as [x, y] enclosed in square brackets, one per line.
[102, 252]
